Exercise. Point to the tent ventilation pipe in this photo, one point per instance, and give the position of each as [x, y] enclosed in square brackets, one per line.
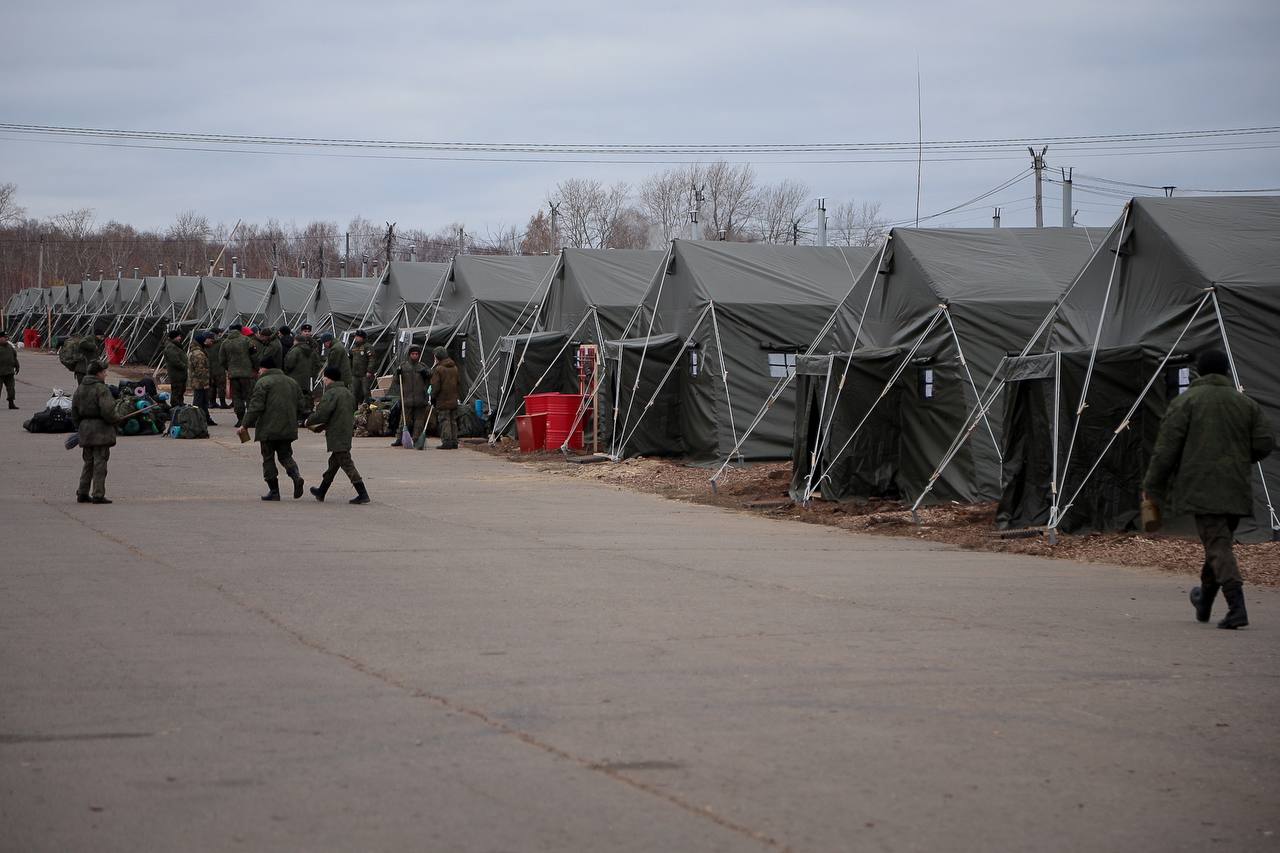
[995, 218]
[211, 266]
[235, 267]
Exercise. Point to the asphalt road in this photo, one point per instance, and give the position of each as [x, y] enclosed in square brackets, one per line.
[492, 659]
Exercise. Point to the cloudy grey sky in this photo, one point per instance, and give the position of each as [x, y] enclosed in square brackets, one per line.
[656, 72]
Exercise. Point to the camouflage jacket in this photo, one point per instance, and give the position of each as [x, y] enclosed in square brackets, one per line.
[337, 412]
[1208, 441]
[274, 408]
[93, 410]
[236, 358]
[216, 370]
[175, 361]
[338, 357]
[8, 359]
[198, 367]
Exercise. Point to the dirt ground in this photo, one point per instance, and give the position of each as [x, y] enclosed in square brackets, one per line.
[762, 489]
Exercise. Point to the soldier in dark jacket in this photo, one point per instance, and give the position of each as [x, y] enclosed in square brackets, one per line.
[336, 356]
[411, 380]
[93, 410]
[217, 373]
[175, 362]
[269, 346]
[302, 364]
[361, 367]
[336, 417]
[8, 367]
[444, 395]
[1209, 440]
[274, 410]
[237, 363]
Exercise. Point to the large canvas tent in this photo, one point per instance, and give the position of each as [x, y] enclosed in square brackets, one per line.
[590, 298]
[741, 312]
[926, 329]
[340, 304]
[288, 299]
[1173, 277]
[243, 302]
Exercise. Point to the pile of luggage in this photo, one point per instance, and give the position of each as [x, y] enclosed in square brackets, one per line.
[54, 417]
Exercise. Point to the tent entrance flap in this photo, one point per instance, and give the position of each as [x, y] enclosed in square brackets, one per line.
[660, 432]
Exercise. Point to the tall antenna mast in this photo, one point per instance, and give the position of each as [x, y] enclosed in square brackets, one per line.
[919, 140]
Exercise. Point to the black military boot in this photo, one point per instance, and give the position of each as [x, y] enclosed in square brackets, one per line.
[362, 494]
[273, 490]
[1236, 617]
[396, 443]
[320, 491]
[1202, 599]
[297, 483]
[13, 405]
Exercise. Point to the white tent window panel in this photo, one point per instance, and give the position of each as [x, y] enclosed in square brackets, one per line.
[781, 364]
[695, 362]
[1182, 379]
[926, 383]
[463, 354]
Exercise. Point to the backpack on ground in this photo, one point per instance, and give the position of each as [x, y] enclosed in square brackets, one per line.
[54, 419]
[189, 422]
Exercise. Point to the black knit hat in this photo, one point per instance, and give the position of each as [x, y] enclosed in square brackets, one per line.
[269, 363]
[175, 333]
[1213, 361]
[332, 372]
[284, 330]
[96, 367]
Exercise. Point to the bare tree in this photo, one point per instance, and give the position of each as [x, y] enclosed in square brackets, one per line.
[75, 227]
[590, 212]
[781, 211]
[505, 240]
[10, 212]
[664, 198]
[730, 198]
[854, 224]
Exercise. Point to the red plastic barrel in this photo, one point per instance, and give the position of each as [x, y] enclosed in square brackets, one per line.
[116, 349]
[562, 416]
[538, 404]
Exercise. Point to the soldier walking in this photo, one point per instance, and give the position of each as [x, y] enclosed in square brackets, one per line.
[336, 417]
[237, 363]
[412, 379]
[361, 367]
[88, 351]
[8, 367]
[273, 410]
[175, 362]
[444, 394]
[1208, 441]
[269, 346]
[198, 367]
[93, 410]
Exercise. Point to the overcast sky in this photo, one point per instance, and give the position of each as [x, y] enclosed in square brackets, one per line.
[654, 72]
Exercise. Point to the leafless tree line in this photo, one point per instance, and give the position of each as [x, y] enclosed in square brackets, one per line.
[727, 199]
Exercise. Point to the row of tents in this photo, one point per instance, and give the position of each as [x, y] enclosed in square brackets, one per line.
[1025, 366]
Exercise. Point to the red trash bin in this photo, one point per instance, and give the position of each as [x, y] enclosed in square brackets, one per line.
[116, 350]
[532, 432]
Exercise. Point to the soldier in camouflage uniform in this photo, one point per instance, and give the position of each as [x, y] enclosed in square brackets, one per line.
[411, 379]
[335, 416]
[88, 352]
[175, 362]
[93, 410]
[217, 374]
[8, 367]
[269, 346]
[198, 373]
[302, 365]
[361, 367]
[1209, 440]
[238, 364]
[444, 395]
[336, 356]
[274, 409]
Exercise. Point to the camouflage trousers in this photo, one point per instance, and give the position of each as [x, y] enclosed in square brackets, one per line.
[414, 418]
[447, 419]
[282, 450]
[8, 385]
[93, 476]
[177, 392]
[1217, 534]
[241, 391]
[218, 389]
[359, 389]
[341, 460]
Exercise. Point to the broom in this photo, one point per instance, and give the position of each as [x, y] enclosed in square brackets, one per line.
[406, 437]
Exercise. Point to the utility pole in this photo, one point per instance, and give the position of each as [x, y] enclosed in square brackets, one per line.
[275, 260]
[346, 256]
[390, 239]
[40, 265]
[555, 225]
[696, 213]
[995, 218]
[822, 222]
[320, 258]
[795, 232]
[1037, 163]
[1068, 219]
